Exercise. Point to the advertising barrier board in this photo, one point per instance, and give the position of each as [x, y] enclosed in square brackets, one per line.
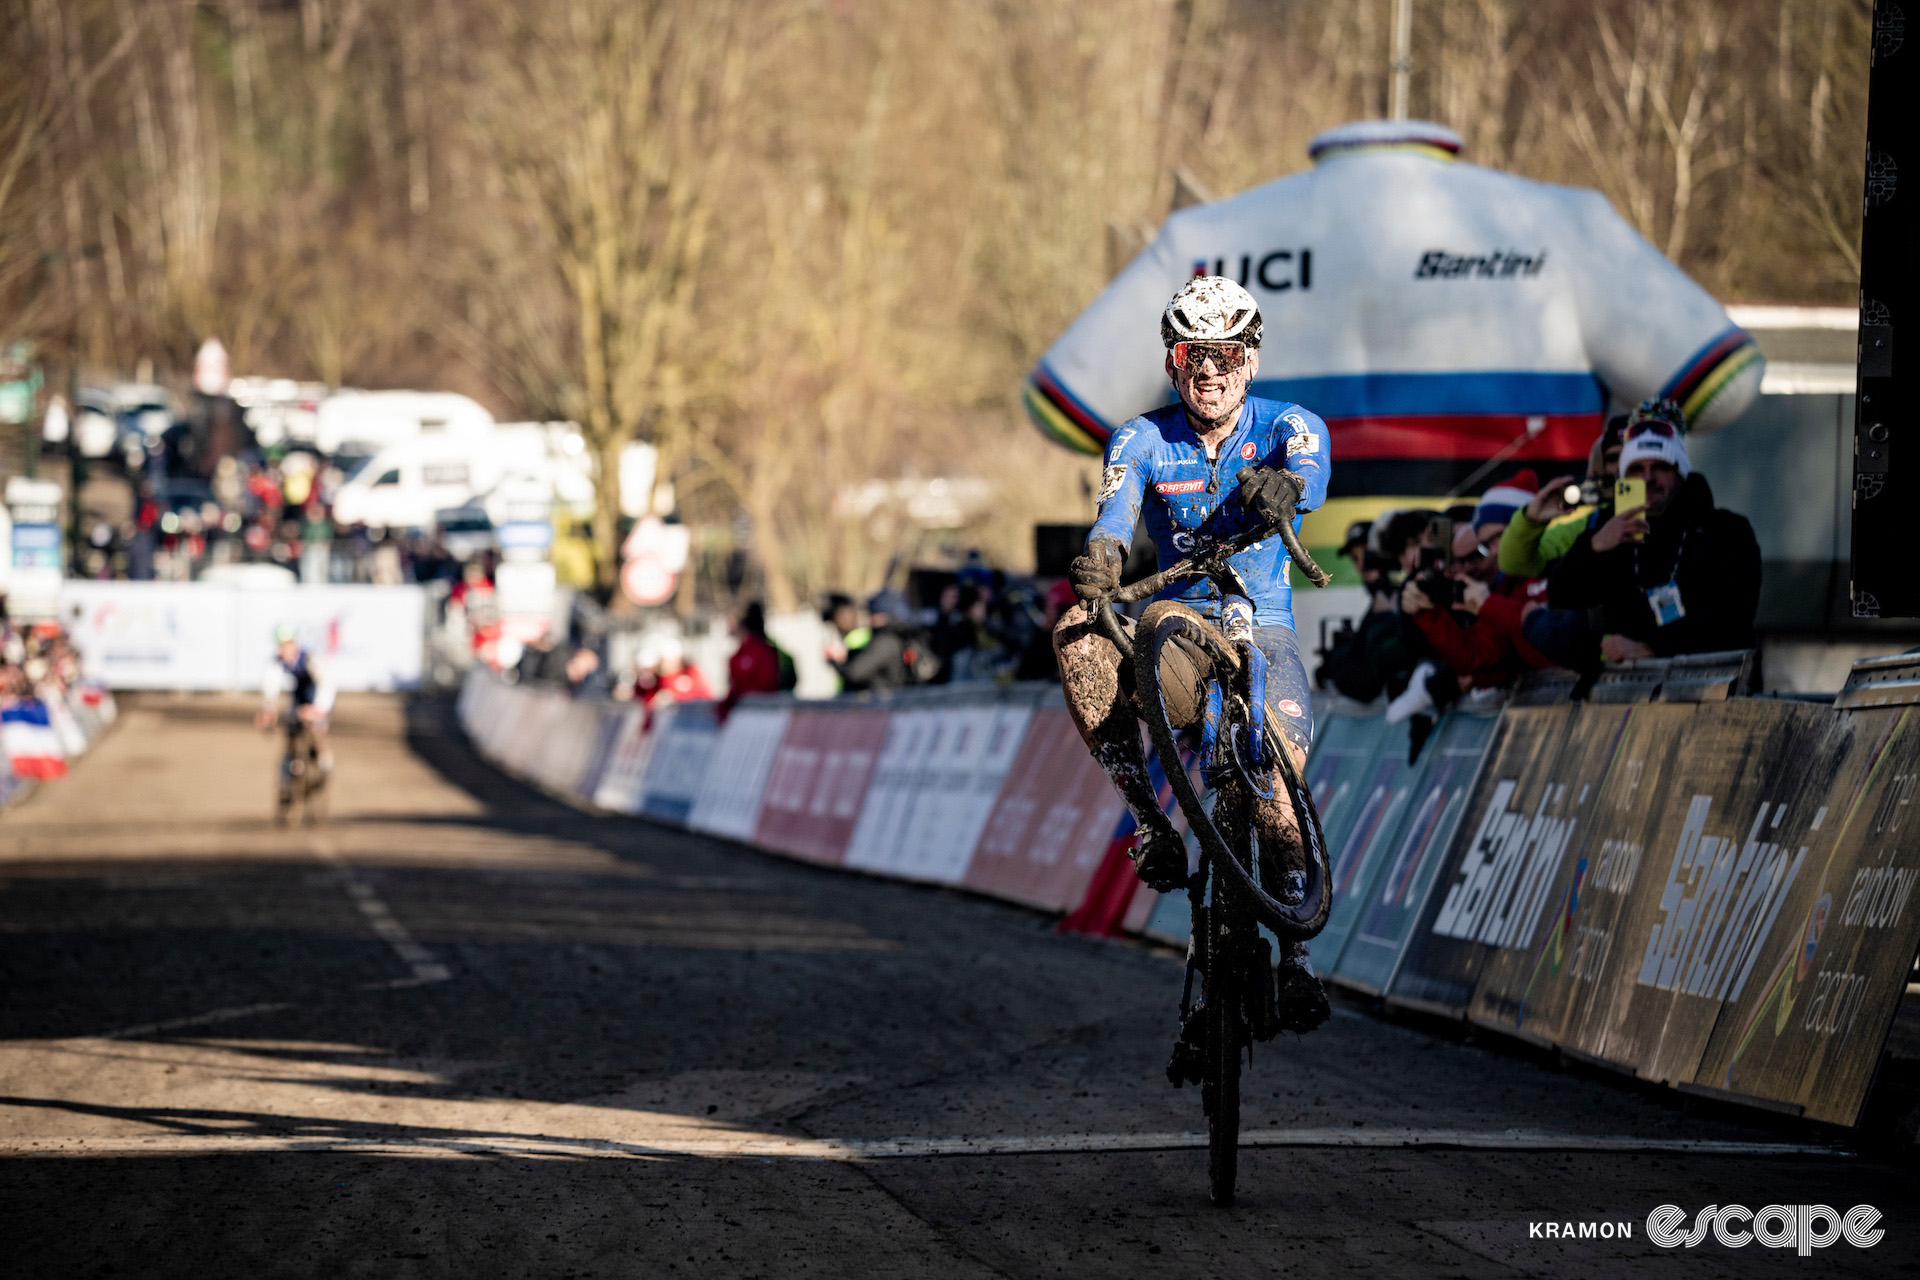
[679, 764]
[1052, 822]
[728, 803]
[819, 781]
[1409, 861]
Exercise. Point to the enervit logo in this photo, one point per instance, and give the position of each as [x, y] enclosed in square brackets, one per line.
[1802, 1227]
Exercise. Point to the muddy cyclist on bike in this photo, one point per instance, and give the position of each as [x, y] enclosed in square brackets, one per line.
[1214, 464]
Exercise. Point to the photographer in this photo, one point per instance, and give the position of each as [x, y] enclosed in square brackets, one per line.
[1378, 654]
[1673, 575]
[1472, 614]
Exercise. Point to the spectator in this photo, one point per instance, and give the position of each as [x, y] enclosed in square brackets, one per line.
[1477, 638]
[895, 654]
[679, 682]
[1545, 529]
[1677, 576]
[757, 664]
[1039, 660]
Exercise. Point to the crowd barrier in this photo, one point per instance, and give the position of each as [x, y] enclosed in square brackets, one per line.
[1709, 891]
[39, 735]
[991, 791]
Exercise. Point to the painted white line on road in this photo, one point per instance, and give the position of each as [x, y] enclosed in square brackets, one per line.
[381, 920]
[768, 1146]
[196, 1020]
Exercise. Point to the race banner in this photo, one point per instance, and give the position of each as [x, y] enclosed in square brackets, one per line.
[1507, 856]
[1719, 814]
[1807, 1027]
[728, 803]
[955, 775]
[1052, 822]
[620, 781]
[1389, 900]
[679, 763]
[819, 781]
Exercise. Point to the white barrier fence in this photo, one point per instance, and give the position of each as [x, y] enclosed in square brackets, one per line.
[211, 636]
[988, 789]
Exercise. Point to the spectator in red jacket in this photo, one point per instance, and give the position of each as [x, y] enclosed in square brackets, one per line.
[1476, 636]
[755, 665]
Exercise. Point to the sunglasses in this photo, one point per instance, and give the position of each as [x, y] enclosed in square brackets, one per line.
[1653, 427]
[1188, 357]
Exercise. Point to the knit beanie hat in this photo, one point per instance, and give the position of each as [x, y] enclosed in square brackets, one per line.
[1657, 447]
[1498, 504]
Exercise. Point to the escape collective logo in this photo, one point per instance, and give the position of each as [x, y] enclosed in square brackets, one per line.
[1800, 1227]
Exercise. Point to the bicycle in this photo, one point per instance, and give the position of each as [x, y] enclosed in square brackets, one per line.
[1228, 894]
[302, 778]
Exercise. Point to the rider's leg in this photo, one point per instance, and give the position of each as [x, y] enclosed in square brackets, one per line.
[1301, 998]
[1090, 669]
[322, 754]
[1290, 719]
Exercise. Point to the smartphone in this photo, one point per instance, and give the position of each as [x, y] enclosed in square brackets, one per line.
[1628, 494]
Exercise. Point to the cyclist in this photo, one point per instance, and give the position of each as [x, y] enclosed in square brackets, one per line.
[1212, 464]
[294, 670]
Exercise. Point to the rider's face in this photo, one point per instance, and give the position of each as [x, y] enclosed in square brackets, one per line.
[289, 650]
[1211, 395]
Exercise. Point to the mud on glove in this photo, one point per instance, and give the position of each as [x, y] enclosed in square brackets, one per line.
[1270, 493]
[1097, 573]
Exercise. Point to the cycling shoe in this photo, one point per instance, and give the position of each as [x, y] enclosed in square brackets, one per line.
[1301, 1000]
[1161, 859]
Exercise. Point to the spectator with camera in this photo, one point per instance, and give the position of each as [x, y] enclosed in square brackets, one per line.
[1673, 574]
[1380, 652]
[1471, 614]
[1562, 509]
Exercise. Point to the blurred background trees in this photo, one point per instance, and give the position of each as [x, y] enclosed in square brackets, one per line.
[808, 247]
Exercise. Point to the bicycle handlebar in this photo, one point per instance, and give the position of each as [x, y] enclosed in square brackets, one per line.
[1201, 563]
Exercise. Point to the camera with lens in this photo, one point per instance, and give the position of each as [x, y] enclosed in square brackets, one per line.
[1584, 494]
[1431, 575]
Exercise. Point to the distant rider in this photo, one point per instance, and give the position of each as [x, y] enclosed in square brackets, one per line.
[294, 670]
[1213, 464]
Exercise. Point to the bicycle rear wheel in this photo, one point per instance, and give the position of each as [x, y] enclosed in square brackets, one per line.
[1228, 929]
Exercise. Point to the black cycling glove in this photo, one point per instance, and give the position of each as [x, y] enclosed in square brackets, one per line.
[1097, 573]
[1271, 493]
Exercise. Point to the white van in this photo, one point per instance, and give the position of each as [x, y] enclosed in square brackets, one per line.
[364, 422]
[404, 486]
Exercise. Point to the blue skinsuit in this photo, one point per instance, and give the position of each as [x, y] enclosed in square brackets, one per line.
[1157, 468]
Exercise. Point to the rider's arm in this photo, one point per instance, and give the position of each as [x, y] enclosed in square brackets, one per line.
[1309, 455]
[323, 688]
[272, 685]
[1123, 486]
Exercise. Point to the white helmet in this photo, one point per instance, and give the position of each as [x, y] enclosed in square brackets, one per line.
[1211, 309]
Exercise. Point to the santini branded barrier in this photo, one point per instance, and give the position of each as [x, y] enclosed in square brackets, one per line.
[1711, 892]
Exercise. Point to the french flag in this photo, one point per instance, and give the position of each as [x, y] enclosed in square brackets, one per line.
[32, 746]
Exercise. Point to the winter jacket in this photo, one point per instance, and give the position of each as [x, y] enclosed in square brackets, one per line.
[1710, 553]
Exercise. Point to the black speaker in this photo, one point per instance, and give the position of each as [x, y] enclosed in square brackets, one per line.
[1886, 444]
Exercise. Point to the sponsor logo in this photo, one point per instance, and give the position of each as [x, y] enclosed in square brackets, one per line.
[1276, 271]
[1508, 872]
[1289, 707]
[1247, 450]
[1119, 442]
[1579, 1231]
[1110, 481]
[1302, 442]
[1182, 541]
[1179, 486]
[1500, 264]
[1800, 1227]
[1719, 905]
